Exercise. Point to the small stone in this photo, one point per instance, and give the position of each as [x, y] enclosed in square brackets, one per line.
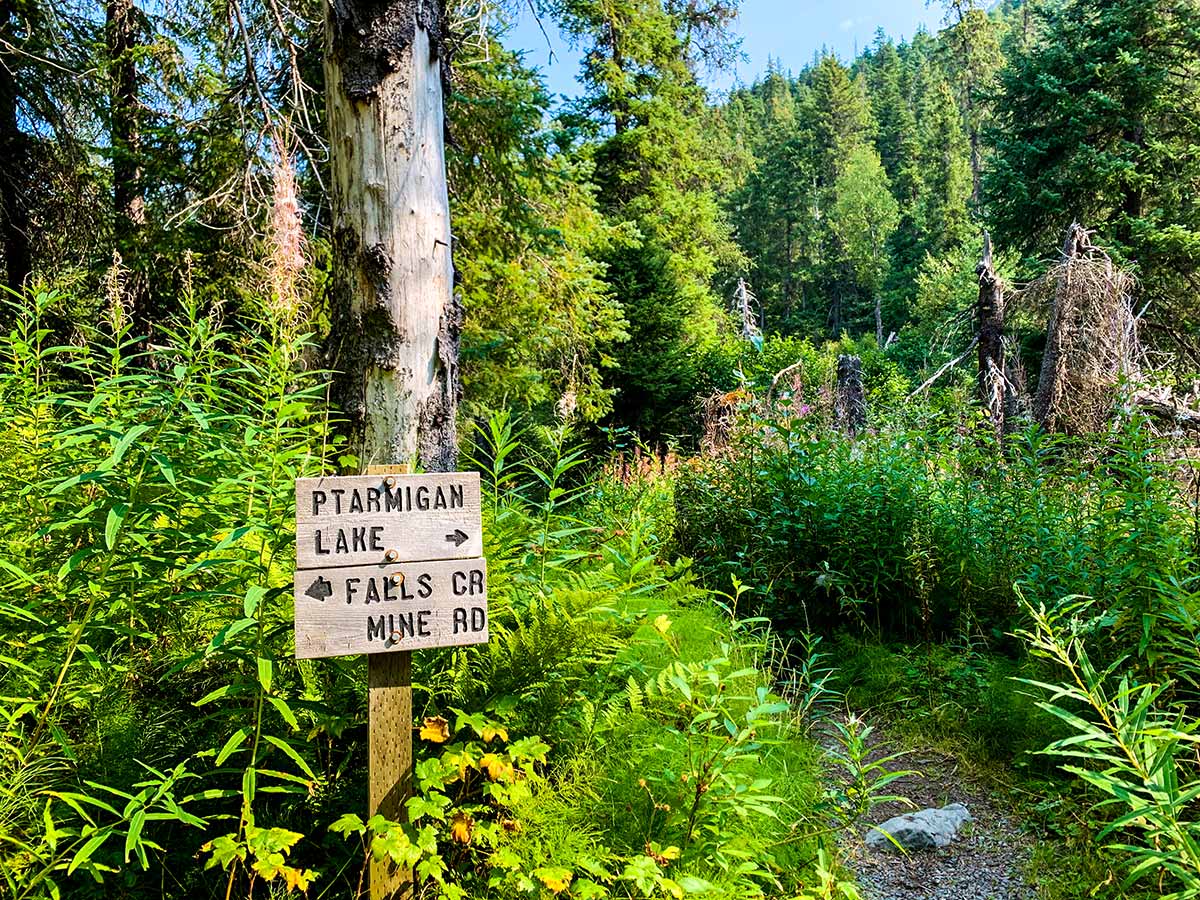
[928, 829]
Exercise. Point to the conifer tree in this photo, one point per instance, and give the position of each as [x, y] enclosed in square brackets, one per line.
[528, 241]
[45, 114]
[773, 206]
[864, 215]
[896, 140]
[1100, 123]
[974, 48]
[841, 117]
[655, 176]
[946, 189]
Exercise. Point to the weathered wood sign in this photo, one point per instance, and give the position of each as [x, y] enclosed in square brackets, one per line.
[372, 519]
[389, 562]
[374, 609]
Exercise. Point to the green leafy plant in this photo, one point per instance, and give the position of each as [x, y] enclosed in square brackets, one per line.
[1129, 742]
[155, 507]
[863, 779]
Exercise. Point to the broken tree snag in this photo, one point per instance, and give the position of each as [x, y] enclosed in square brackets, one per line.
[1093, 355]
[395, 317]
[990, 311]
[849, 402]
[1053, 372]
[15, 147]
[744, 301]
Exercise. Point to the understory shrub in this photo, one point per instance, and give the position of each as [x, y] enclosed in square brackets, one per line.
[925, 533]
[620, 735]
[1132, 741]
[950, 694]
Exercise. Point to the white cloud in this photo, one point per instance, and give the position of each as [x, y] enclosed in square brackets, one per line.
[846, 24]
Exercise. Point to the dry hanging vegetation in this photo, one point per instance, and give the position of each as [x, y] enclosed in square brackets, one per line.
[1094, 363]
[1092, 346]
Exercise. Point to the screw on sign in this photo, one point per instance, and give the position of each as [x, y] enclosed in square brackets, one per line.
[385, 564]
[364, 519]
[404, 606]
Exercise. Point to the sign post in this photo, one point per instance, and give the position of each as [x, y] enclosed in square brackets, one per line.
[389, 747]
[387, 563]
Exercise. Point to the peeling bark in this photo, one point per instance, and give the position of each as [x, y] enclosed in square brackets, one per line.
[396, 318]
[1053, 371]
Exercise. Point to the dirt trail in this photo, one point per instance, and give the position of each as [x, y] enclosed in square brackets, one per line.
[988, 859]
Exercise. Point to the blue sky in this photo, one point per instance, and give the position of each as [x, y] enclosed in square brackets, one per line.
[789, 30]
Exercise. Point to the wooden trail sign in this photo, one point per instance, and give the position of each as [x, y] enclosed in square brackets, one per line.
[387, 563]
[371, 519]
[376, 609]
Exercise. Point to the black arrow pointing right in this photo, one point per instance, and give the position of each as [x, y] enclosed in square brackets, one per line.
[458, 538]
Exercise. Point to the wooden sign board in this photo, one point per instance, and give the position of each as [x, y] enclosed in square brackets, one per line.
[372, 519]
[375, 609]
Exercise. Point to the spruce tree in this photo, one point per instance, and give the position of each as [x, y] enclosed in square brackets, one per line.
[655, 174]
[946, 167]
[1100, 123]
[864, 215]
[973, 44]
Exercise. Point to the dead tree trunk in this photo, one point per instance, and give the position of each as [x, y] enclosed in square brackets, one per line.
[396, 321]
[14, 145]
[744, 300]
[125, 139]
[990, 310]
[878, 321]
[121, 37]
[1053, 372]
[849, 400]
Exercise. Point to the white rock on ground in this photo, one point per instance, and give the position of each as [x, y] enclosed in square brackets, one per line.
[929, 829]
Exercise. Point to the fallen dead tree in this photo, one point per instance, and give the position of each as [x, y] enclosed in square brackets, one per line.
[1161, 404]
[1092, 346]
[946, 367]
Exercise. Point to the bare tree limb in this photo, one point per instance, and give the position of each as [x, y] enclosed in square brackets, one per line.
[944, 369]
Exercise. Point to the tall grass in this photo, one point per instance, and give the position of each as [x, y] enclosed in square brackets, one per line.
[146, 546]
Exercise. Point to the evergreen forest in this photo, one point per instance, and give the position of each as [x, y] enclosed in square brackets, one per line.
[837, 437]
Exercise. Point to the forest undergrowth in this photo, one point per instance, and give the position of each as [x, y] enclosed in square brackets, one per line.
[640, 725]
[644, 260]
[621, 735]
[1031, 607]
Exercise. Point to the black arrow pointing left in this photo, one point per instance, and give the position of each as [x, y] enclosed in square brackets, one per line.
[320, 589]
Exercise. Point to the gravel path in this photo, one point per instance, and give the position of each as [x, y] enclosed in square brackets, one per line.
[987, 861]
